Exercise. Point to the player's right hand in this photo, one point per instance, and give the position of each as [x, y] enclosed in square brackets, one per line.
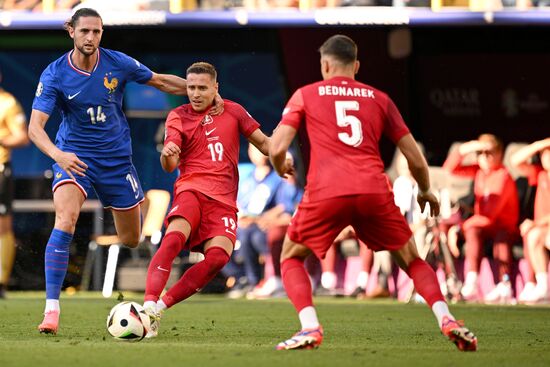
[171, 149]
[428, 197]
[71, 164]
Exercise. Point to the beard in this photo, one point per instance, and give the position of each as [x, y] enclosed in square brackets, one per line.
[86, 51]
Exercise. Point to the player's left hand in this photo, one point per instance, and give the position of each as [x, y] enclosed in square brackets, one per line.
[217, 108]
[428, 197]
[288, 167]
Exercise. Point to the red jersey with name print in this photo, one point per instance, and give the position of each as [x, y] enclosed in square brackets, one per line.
[209, 149]
[344, 121]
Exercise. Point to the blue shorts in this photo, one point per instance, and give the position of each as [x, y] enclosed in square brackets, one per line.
[114, 180]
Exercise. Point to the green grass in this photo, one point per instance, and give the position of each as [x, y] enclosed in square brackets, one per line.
[213, 331]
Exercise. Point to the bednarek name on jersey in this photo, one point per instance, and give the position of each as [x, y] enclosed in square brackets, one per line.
[333, 90]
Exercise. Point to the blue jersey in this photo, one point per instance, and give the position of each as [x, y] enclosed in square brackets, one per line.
[255, 196]
[93, 124]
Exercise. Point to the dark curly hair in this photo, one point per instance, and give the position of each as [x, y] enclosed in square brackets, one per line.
[82, 12]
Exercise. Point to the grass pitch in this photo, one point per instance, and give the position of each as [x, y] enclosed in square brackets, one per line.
[213, 331]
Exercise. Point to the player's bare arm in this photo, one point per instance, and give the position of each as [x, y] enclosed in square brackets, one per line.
[176, 85]
[67, 161]
[169, 156]
[169, 84]
[473, 146]
[419, 169]
[17, 138]
[280, 141]
[521, 157]
[260, 141]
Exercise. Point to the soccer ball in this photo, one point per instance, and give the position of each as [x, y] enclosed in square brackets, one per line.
[128, 321]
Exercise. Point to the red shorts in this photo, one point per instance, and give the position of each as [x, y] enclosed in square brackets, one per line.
[375, 217]
[208, 218]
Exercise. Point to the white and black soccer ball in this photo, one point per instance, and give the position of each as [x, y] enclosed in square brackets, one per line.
[128, 321]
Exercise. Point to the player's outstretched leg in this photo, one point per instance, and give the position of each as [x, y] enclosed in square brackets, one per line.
[298, 289]
[56, 263]
[161, 265]
[426, 284]
[194, 279]
[463, 338]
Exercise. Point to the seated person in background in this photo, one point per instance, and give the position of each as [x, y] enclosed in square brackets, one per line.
[274, 222]
[329, 278]
[535, 232]
[496, 211]
[256, 195]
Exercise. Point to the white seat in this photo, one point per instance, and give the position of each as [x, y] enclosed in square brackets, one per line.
[155, 207]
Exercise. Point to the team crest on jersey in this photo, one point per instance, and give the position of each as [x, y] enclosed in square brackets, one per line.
[110, 84]
[207, 119]
[39, 89]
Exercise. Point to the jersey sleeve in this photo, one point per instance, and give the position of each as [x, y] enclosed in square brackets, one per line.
[395, 127]
[173, 130]
[137, 72]
[45, 98]
[247, 124]
[294, 112]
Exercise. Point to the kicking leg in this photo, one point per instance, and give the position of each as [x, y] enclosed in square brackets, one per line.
[426, 284]
[161, 264]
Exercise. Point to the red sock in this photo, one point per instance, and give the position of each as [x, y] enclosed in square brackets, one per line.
[425, 281]
[297, 283]
[197, 276]
[161, 264]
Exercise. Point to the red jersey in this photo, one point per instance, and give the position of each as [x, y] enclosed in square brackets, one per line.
[539, 177]
[344, 121]
[209, 149]
[496, 196]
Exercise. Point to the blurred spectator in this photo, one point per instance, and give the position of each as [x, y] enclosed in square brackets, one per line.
[535, 232]
[119, 5]
[275, 222]
[496, 211]
[329, 278]
[263, 199]
[13, 134]
[36, 5]
[20, 4]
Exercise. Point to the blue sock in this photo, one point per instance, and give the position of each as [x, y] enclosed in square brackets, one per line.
[56, 262]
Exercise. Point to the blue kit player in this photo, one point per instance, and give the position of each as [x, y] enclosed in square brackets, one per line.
[92, 149]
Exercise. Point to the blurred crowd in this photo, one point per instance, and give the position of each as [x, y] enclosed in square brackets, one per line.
[183, 5]
[495, 205]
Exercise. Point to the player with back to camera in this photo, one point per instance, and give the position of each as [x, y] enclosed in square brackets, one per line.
[344, 121]
[203, 216]
[92, 150]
